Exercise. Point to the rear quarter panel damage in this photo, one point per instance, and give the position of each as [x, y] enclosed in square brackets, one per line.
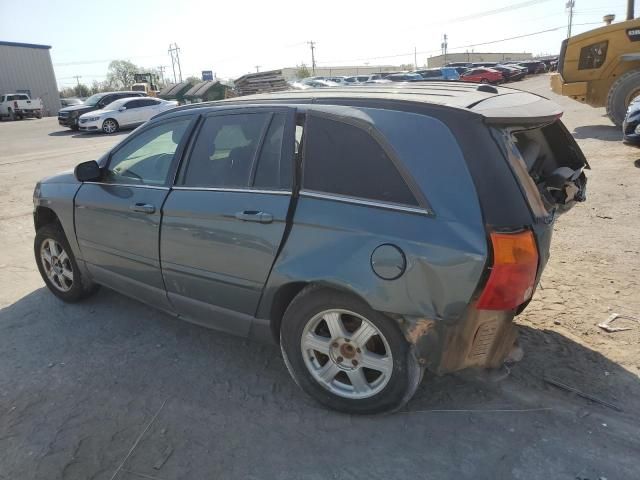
[331, 242]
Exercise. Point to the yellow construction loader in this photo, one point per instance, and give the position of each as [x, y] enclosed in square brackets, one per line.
[601, 67]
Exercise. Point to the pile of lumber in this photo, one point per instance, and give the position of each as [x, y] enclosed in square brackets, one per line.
[261, 82]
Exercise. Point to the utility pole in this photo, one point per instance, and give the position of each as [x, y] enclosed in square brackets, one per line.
[569, 5]
[415, 57]
[312, 44]
[77, 77]
[444, 46]
[161, 69]
[258, 68]
[174, 52]
[630, 13]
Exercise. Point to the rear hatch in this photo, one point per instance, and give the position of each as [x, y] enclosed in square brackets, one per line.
[544, 157]
[548, 165]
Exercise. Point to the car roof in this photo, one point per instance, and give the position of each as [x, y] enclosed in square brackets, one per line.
[496, 104]
[123, 100]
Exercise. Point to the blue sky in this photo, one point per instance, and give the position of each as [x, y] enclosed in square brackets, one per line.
[231, 38]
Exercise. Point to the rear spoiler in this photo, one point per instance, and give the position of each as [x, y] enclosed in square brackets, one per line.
[517, 108]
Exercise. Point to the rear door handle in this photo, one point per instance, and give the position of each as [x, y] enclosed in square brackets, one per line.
[254, 216]
[142, 208]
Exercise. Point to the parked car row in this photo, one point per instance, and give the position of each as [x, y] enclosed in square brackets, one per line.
[108, 112]
[479, 72]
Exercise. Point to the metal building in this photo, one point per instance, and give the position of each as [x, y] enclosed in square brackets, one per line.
[27, 68]
[471, 57]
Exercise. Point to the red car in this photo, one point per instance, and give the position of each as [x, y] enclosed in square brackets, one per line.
[482, 75]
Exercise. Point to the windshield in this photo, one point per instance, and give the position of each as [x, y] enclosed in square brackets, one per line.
[93, 100]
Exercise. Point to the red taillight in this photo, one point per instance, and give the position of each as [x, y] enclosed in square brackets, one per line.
[513, 274]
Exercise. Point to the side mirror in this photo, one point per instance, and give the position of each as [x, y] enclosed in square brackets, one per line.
[87, 171]
[122, 109]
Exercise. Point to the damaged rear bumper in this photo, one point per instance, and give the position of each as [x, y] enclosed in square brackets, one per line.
[480, 339]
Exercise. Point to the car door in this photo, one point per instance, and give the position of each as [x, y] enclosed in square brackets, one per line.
[117, 219]
[149, 107]
[131, 114]
[225, 218]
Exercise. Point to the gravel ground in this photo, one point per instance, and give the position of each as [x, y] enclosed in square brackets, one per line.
[113, 389]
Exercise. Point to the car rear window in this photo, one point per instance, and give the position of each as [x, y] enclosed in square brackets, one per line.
[344, 159]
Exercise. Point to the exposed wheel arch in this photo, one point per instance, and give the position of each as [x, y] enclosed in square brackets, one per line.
[45, 216]
[288, 292]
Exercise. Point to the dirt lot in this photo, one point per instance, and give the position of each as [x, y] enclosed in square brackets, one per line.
[112, 389]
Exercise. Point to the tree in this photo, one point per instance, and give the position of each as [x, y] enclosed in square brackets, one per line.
[99, 87]
[121, 74]
[193, 80]
[302, 72]
[81, 90]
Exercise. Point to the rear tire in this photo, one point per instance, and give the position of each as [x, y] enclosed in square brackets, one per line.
[110, 126]
[58, 266]
[623, 90]
[361, 364]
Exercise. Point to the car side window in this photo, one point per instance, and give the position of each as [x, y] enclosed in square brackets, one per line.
[106, 101]
[343, 159]
[274, 170]
[146, 158]
[225, 149]
[132, 104]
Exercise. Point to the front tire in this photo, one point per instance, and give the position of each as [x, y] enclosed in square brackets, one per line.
[622, 92]
[346, 355]
[58, 266]
[110, 126]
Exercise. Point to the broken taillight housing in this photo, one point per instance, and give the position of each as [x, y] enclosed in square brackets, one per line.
[513, 274]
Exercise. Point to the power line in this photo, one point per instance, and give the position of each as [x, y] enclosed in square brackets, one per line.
[89, 62]
[494, 11]
[425, 52]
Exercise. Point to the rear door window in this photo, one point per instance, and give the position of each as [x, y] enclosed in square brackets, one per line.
[274, 162]
[343, 159]
[225, 150]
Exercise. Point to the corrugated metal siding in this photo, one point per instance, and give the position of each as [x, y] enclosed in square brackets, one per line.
[24, 68]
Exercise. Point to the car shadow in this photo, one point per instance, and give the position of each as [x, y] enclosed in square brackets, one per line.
[119, 133]
[77, 134]
[99, 371]
[609, 133]
[62, 133]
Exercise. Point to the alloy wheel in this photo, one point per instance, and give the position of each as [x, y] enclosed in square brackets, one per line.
[346, 354]
[109, 126]
[57, 265]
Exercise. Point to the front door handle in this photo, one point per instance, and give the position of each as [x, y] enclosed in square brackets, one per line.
[254, 216]
[142, 208]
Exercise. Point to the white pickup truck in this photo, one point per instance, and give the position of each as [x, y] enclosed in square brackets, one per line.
[19, 105]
